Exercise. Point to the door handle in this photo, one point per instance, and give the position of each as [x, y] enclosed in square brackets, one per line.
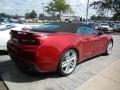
[98, 37]
[87, 39]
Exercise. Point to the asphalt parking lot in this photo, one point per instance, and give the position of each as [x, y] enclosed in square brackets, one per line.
[16, 80]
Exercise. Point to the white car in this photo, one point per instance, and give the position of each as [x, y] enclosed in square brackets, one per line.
[5, 30]
[105, 27]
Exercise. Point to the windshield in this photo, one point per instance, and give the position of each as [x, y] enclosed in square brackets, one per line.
[86, 30]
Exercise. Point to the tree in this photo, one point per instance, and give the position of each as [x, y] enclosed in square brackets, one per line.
[16, 17]
[116, 16]
[81, 19]
[27, 15]
[58, 6]
[31, 15]
[93, 17]
[50, 9]
[41, 16]
[5, 15]
[105, 5]
[99, 17]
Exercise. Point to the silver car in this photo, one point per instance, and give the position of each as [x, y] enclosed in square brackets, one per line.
[116, 27]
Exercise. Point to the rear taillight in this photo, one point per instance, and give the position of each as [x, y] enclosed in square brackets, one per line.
[22, 37]
[29, 41]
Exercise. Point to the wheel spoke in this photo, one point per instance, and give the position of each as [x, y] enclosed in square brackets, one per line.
[64, 64]
[68, 55]
[72, 64]
[67, 68]
[109, 48]
[73, 57]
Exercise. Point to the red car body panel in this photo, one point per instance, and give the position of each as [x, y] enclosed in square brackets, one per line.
[45, 56]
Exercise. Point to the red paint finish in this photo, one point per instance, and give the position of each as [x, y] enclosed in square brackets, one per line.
[46, 53]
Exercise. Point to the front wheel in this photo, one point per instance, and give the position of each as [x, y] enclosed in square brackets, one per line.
[109, 48]
[68, 62]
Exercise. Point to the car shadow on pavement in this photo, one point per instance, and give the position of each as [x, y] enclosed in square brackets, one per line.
[9, 72]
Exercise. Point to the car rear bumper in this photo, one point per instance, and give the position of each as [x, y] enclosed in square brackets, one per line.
[31, 59]
[104, 29]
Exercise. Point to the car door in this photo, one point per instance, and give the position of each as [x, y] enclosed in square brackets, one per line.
[86, 45]
[87, 41]
[97, 42]
[100, 42]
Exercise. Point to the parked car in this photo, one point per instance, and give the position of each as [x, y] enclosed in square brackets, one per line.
[57, 46]
[116, 27]
[105, 27]
[2, 19]
[4, 33]
[96, 25]
[92, 25]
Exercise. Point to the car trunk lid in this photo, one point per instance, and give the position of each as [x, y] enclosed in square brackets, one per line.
[25, 37]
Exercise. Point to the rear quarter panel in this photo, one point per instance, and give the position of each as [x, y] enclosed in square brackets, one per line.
[54, 46]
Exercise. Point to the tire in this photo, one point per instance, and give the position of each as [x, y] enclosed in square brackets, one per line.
[109, 48]
[68, 62]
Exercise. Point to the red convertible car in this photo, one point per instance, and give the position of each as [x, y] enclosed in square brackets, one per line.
[57, 47]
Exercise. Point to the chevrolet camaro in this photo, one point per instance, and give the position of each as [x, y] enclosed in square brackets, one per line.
[57, 47]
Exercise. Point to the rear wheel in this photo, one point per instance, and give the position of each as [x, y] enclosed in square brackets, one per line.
[109, 48]
[68, 62]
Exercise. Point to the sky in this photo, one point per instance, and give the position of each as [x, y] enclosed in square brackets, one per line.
[20, 7]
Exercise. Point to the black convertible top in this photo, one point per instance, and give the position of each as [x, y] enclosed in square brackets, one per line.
[58, 27]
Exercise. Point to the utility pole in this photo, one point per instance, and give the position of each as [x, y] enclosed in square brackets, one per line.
[43, 12]
[87, 12]
[107, 15]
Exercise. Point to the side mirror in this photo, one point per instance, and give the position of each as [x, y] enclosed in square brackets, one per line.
[99, 33]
